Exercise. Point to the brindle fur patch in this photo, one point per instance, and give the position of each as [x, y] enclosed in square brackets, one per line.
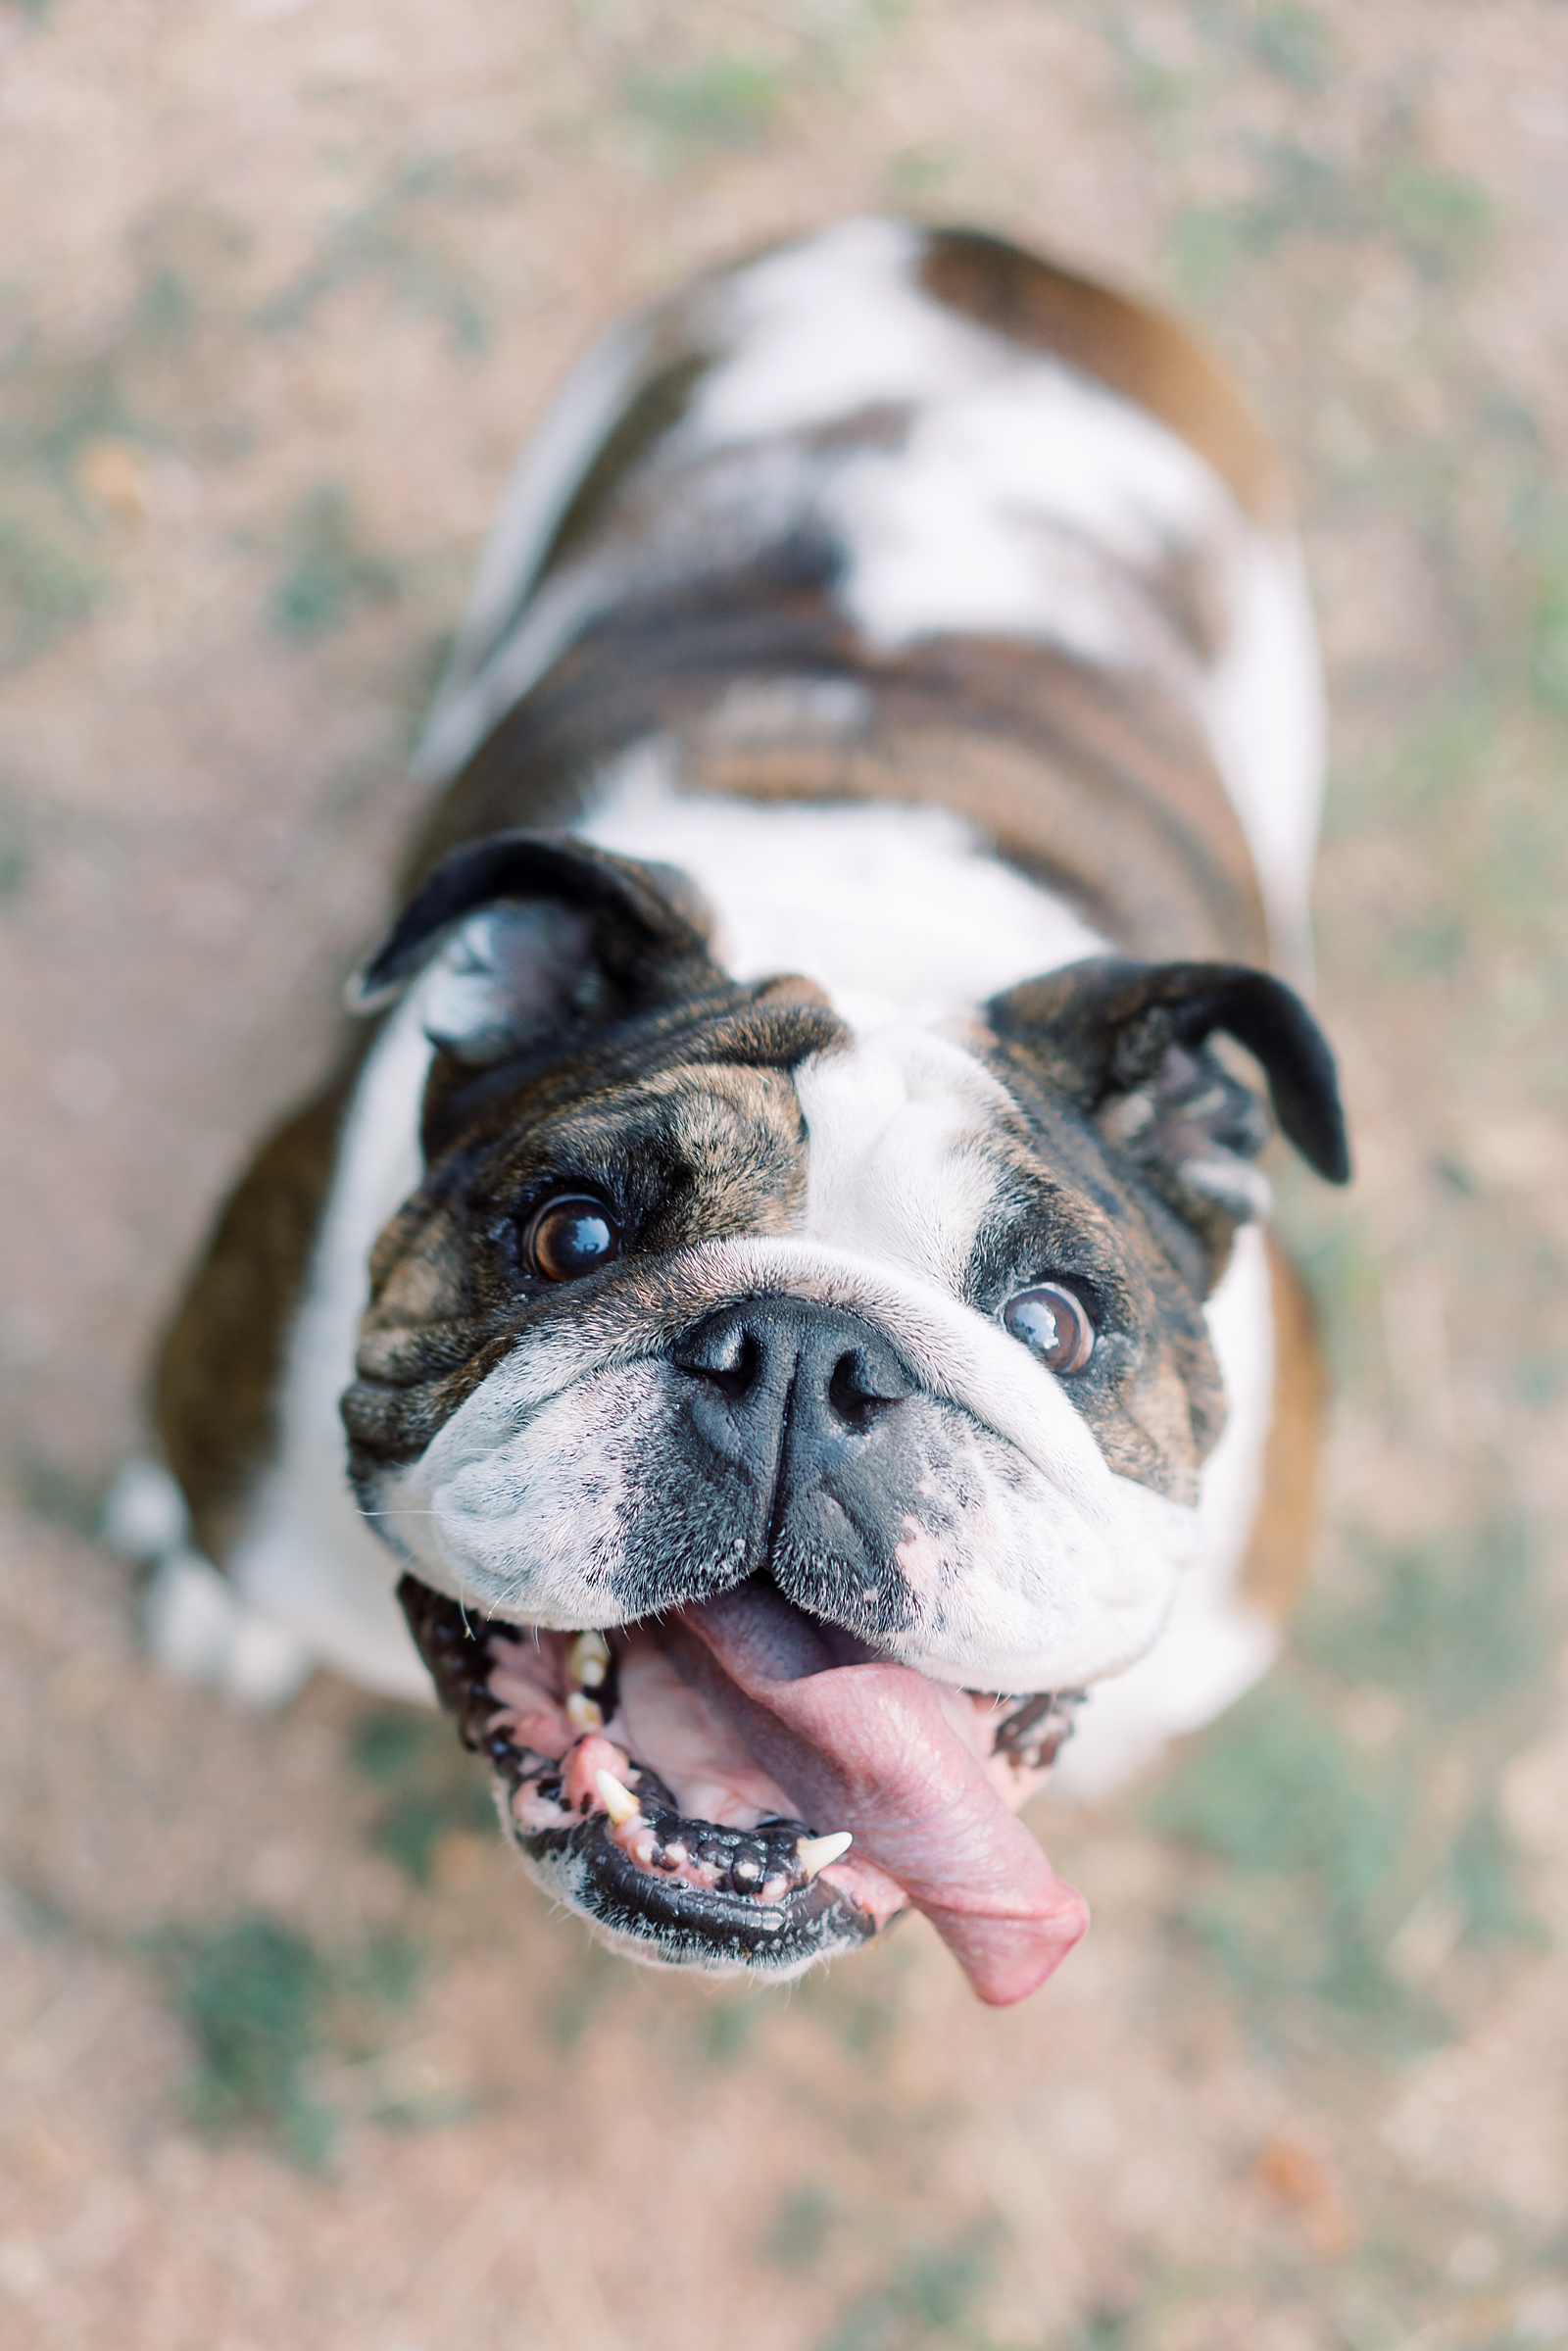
[1097, 781]
[1279, 1550]
[1074, 1209]
[220, 1367]
[698, 565]
[685, 1123]
[1135, 350]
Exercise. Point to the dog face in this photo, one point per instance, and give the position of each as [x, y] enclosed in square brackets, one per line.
[704, 1296]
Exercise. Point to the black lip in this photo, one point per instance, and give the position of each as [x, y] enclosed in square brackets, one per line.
[687, 1923]
[580, 1863]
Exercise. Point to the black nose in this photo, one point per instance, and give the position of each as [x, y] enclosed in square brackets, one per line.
[778, 1366]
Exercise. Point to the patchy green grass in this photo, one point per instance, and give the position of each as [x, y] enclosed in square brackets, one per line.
[1317, 1852]
[682, 106]
[1304, 1841]
[1443, 220]
[16, 845]
[47, 584]
[1544, 565]
[929, 2296]
[401, 239]
[264, 2006]
[251, 1994]
[59, 1493]
[1293, 43]
[861, 2006]
[1440, 222]
[725, 100]
[1458, 1627]
[148, 378]
[329, 573]
[796, 2236]
[52, 568]
[433, 1786]
[922, 175]
[729, 2027]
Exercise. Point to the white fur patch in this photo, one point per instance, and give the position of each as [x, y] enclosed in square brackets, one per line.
[897, 1168]
[824, 327]
[200, 1630]
[899, 914]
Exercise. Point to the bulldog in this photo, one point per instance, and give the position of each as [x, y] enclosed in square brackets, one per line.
[774, 1317]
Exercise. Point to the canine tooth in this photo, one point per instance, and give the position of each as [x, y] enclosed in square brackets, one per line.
[583, 1712]
[619, 1802]
[814, 1853]
[588, 1660]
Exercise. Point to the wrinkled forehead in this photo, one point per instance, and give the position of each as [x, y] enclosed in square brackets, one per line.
[911, 1143]
[902, 1143]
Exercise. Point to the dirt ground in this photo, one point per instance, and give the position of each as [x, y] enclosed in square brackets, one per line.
[290, 2053]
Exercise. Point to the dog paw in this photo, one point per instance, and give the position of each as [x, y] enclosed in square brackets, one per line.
[199, 1630]
[145, 1518]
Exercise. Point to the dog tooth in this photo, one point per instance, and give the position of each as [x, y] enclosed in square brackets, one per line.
[583, 1712]
[588, 1660]
[619, 1802]
[814, 1853]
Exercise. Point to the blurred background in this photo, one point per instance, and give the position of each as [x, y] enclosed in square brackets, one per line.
[290, 2055]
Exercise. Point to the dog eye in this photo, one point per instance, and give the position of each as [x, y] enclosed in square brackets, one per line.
[1054, 1325]
[571, 1237]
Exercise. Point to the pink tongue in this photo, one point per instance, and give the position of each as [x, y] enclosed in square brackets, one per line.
[868, 1747]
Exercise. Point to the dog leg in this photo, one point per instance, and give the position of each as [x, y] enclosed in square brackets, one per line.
[195, 1624]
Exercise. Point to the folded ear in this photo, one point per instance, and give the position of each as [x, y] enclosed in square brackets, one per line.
[1128, 1042]
[533, 932]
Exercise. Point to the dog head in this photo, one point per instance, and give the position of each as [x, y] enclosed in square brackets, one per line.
[706, 1306]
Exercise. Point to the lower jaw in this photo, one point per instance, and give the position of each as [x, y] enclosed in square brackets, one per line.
[663, 1888]
[666, 1923]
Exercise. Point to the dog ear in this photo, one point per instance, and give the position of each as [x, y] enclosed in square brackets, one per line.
[534, 932]
[1128, 1042]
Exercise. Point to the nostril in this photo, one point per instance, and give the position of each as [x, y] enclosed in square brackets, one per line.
[725, 1355]
[855, 1394]
[737, 1375]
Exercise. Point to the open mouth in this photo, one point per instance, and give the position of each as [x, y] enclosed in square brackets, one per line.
[740, 1787]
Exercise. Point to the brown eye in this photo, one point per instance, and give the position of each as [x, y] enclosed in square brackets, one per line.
[571, 1237]
[1054, 1325]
